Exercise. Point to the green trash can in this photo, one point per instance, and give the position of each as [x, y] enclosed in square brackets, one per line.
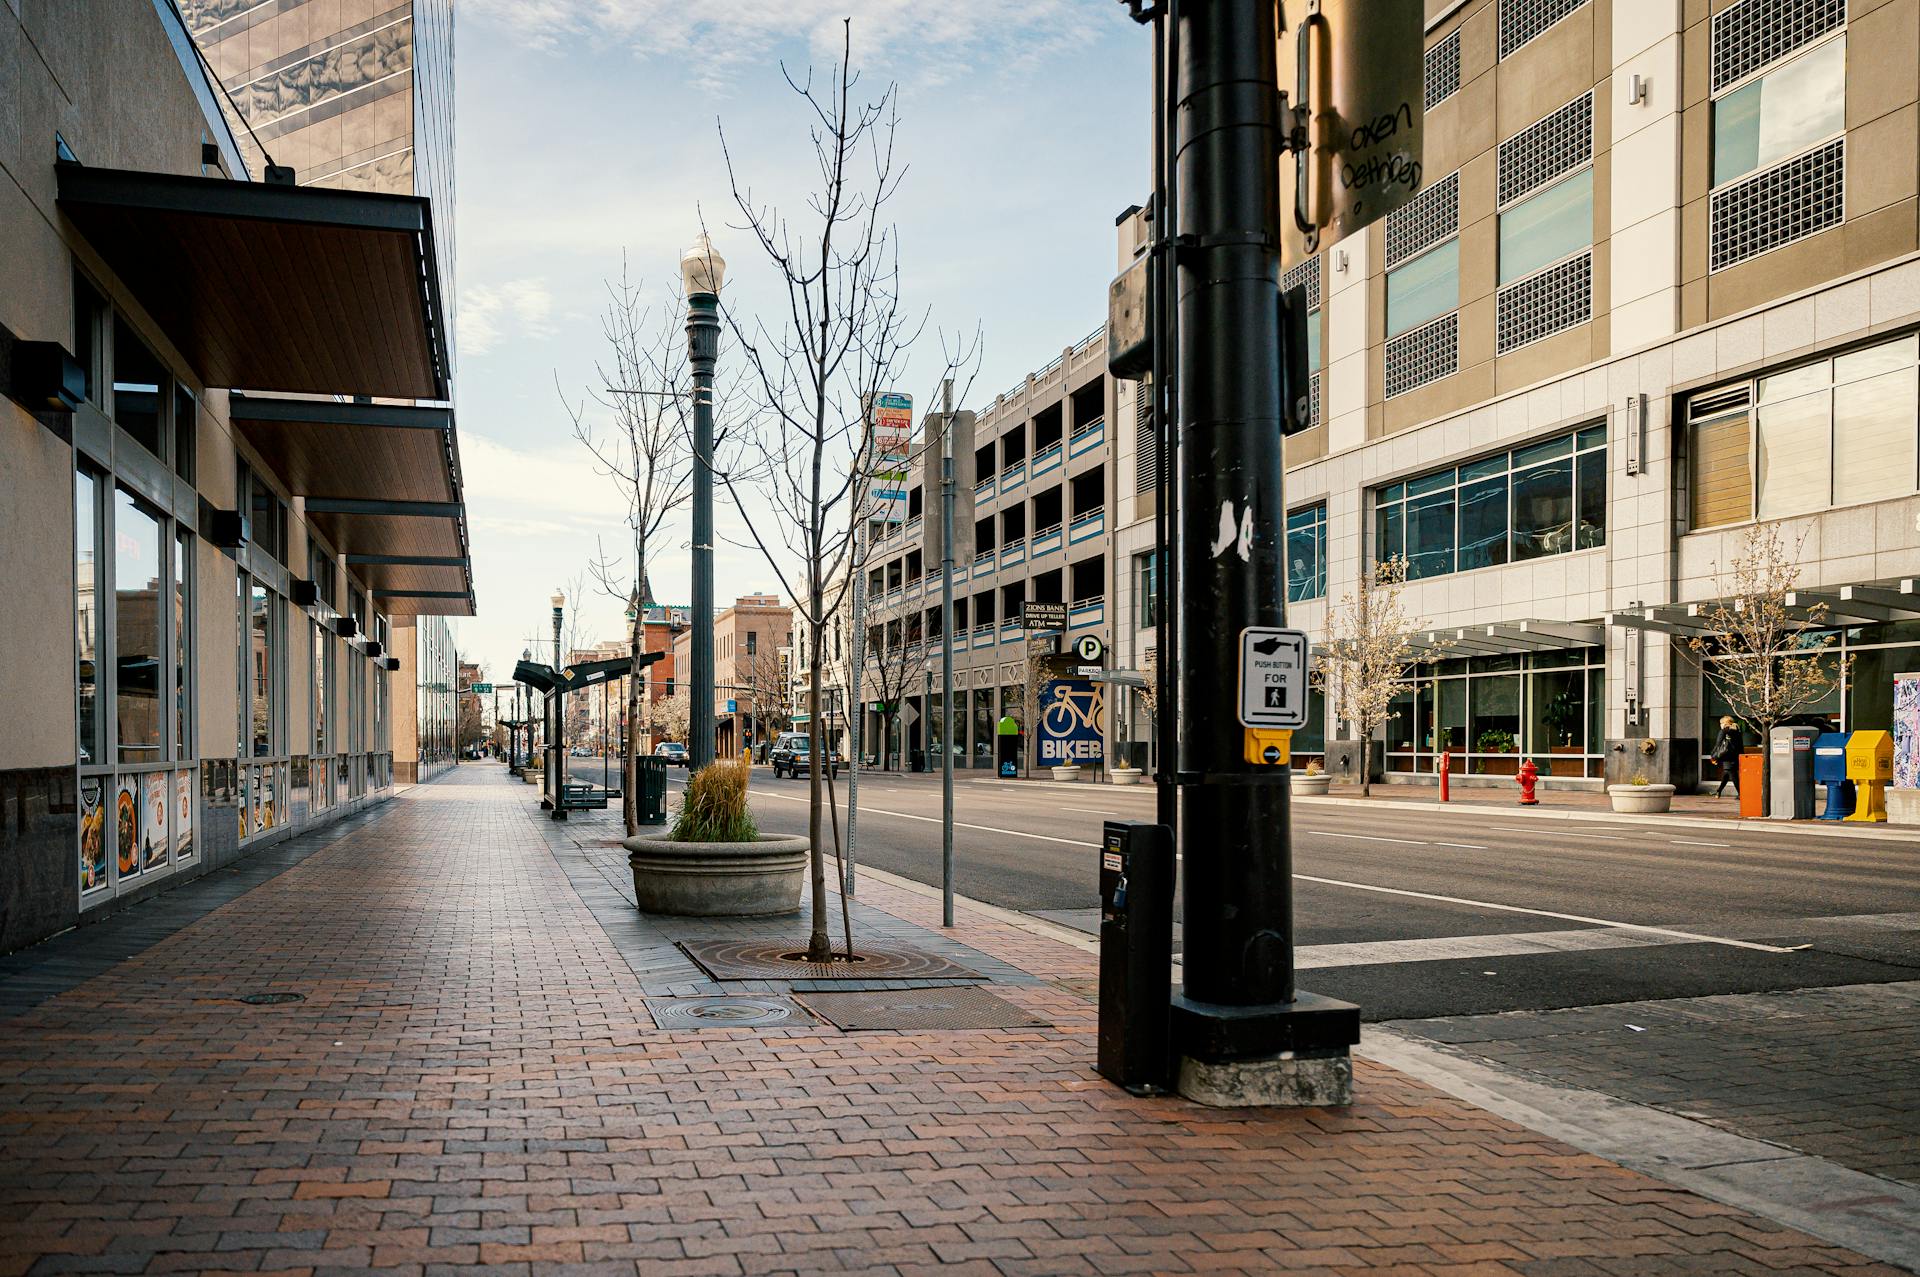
[650, 789]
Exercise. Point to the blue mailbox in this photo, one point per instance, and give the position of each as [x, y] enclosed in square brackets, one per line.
[1830, 769]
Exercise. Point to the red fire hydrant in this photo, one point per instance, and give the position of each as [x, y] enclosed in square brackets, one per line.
[1446, 769]
[1529, 777]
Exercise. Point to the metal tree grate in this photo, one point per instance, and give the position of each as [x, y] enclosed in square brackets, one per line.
[1802, 197]
[1749, 35]
[908, 1009]
[729, 1012]
[785, 960]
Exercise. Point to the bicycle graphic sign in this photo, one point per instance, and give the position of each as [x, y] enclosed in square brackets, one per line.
[1072, 723]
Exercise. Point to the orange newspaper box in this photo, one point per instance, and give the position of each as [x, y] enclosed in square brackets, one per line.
[1753, 783]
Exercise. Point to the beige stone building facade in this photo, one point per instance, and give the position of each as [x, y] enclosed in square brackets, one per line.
[749, 671]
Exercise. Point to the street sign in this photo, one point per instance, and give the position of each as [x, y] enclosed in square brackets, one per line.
[481, 689]
[1043, 616]
[1273, 677]
[1358, 67]
[1088, 647]
[1087, 671]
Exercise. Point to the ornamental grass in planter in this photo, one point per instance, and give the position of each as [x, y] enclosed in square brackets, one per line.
[715, 862]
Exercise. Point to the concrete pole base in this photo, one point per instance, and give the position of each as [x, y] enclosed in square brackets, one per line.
[1288, 1080]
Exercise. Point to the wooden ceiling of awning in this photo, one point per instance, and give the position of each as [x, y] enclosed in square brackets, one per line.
[321, 447]
[270, 287]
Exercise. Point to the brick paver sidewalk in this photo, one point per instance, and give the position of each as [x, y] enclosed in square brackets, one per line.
[473, 1078]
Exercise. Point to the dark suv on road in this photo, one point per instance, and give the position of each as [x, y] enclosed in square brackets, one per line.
[792, 755]
[672, 751]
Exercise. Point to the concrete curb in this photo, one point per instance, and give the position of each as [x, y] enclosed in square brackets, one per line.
[1819, 828]
[1879, 1218]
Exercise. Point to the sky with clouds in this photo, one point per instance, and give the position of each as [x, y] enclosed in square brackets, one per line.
[588, 129]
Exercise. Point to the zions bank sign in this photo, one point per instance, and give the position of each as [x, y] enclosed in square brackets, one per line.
[1072, 723]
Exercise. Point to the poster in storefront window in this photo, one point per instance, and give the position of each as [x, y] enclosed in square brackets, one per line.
[1906, 731]
[271, 803]
[93, 836]
[255, 794]
[183, 816]
[154, 844]
[126, 825]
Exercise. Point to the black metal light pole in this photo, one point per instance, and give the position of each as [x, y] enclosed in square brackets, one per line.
[702, 271]
[1238, 1023]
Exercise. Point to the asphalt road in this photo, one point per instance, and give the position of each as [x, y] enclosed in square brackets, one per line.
[1417, 911]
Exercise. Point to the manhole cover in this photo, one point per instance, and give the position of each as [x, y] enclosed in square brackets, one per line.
[784, 960]
[727, 1013]
[270, 999]
[962, 1007]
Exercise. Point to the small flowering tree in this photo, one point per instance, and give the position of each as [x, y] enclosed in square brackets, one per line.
[1369, 653]
[1769, 661]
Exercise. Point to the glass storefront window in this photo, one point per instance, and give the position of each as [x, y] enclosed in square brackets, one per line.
[982, 726]
[182, 646]
[138, 657]
[321, 663]
[1793, 462]
[1784, 112]
[86, 603]
[1874, 435]
[137, 380]
[1543, 510]
[260, 662]
[1306, 553]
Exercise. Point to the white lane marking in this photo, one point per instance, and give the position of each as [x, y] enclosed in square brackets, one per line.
[1559, 833]
[1693, 936]
[1091, 811]
[1439, 948]
[1464, 846]
[1405, 842]
[1695, 842]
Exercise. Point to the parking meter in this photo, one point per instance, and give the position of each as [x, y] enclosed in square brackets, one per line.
[1790, 773]
[1830, 769]
[1136, 956]
[1870, 767]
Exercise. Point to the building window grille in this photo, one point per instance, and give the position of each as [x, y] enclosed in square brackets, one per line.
[1770, 210]
[1443, 70]
[1430, 217]
[1560, 143]
[1305, 275]
[1749, 35]
[1426, 354]
[1551, 301]
[1522, 20]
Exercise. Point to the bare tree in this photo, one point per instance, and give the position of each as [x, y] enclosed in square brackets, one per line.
[1369, 656]
[894, 651]
[672, 714]
[644, 395]
[1768, 659]
[816, 371]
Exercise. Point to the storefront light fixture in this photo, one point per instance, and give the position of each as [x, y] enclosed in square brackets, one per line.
[45, 378]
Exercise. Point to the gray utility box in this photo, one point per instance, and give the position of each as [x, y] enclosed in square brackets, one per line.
[1790, 773]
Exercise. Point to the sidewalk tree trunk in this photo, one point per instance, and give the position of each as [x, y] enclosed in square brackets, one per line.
[636, 430]
[1369, 656]
[838, 341]
[1768, 660]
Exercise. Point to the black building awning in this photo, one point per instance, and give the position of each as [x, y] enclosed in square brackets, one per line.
[382, 483]
[271, 287]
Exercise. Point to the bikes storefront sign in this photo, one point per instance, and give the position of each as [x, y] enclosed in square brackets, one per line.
[1072, 723]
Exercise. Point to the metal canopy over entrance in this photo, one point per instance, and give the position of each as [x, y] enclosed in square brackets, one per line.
[382, 482]
[1867, 603]
[288, 288]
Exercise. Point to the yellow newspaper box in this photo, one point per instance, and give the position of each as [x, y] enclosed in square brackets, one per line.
[1870, 767]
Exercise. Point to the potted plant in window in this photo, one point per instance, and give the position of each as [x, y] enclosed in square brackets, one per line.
[1561, 717]
[1497, 740]
[1313, 780]
[715, 862]
[1640, 797]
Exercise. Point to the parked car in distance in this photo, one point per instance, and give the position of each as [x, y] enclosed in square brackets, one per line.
[792, 755]
[673, 751]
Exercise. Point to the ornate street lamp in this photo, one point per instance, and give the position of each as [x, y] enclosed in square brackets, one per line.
[703, 272]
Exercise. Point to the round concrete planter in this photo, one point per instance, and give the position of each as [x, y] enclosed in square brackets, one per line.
[1067, 774]
[1641, 800]
[1125, 775]
[1303, 783]
[717, 879]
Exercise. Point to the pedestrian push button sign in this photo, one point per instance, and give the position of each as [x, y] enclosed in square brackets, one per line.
[1273, 678]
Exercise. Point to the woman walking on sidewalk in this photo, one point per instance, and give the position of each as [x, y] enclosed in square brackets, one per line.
[1726, 752]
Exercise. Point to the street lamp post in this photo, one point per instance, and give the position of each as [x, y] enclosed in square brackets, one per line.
[703, 271]
[556, 727]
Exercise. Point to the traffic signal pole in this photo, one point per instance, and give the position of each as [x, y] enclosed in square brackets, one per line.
[1243, 1034]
